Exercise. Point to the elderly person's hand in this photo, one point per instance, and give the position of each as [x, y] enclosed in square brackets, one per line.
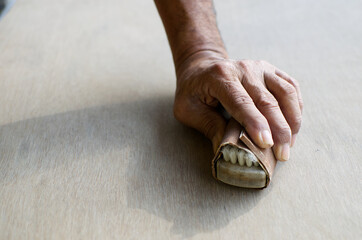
[264, 99]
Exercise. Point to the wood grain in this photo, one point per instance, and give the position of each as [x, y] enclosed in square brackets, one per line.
[89, 148]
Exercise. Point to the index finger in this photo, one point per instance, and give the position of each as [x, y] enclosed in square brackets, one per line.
[240, 105]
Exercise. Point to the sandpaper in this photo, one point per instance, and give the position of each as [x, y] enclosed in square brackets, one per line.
[236, 136]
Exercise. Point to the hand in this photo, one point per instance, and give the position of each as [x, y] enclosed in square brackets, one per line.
[262, 98]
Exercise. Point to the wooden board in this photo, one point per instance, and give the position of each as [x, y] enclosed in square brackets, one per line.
[89, 148]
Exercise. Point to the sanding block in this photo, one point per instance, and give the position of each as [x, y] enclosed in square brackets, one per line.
[239, 162]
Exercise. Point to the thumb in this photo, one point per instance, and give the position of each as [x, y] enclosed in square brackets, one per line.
[205, 119]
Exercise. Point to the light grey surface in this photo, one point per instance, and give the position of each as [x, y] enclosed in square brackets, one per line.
[89, 148]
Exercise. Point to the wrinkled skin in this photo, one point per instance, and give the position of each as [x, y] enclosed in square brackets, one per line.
[261, 97]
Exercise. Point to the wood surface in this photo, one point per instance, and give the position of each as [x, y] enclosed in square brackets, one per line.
[89, 148]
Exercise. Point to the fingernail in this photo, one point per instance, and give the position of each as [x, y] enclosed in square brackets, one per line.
[266, 138]
[294, 137]
[285, 152]
[282, 152]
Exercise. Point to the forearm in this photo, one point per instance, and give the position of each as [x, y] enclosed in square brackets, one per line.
[191, 29]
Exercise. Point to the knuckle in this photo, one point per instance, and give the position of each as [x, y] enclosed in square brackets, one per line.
[283, 134]
[218, 68]
[267, 101]
[295, 123]
[221, 69]
[246, 65]
[243, 63]
[242, 99]
[292, 81]
[289, 90]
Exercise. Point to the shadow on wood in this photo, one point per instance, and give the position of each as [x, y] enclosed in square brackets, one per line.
[136, 151]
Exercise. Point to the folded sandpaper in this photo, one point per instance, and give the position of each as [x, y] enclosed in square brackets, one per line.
[235, 135]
